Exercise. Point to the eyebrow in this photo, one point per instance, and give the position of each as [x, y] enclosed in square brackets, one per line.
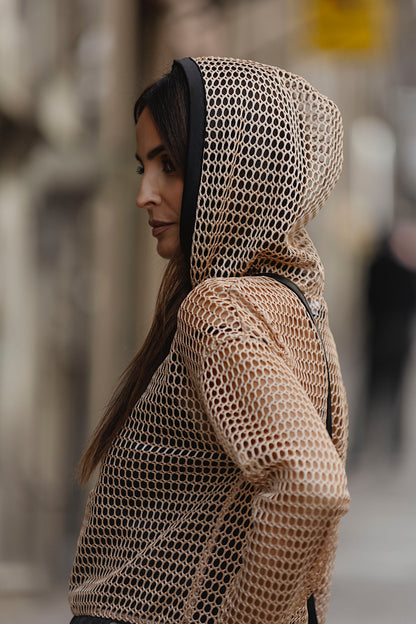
[153, 153]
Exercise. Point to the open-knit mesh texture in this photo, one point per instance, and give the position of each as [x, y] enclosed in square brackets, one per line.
[273, 153]
[220, 499]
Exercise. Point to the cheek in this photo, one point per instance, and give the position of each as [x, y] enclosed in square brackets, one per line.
[177, 198]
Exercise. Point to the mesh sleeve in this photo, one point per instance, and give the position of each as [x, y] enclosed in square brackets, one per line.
[266, 423]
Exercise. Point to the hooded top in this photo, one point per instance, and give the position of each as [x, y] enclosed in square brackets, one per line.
[220, 499]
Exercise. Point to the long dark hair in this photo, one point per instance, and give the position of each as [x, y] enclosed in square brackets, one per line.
[167, 101]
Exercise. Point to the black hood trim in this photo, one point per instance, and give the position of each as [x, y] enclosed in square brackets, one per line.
[196, 138]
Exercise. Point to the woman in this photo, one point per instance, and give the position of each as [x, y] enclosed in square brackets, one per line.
[220, 490]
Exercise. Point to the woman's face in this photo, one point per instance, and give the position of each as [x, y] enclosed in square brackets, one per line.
[161, 186]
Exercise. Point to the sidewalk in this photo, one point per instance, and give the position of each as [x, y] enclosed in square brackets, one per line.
[375, 570]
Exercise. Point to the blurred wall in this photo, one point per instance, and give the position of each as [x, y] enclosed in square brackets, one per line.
[79, 273]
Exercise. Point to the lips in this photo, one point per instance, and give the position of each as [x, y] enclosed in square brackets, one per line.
[158, 227]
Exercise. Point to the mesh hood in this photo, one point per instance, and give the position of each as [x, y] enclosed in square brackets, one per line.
[265, 151]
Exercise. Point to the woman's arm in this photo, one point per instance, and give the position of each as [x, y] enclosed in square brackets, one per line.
[267, 424]
[265, 421]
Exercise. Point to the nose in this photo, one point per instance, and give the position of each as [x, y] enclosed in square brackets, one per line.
[148, 194]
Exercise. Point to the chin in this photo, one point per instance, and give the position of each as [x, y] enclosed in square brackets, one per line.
[167, 251]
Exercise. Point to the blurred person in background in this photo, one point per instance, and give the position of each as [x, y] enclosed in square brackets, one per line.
[220, 489]
[390, 307]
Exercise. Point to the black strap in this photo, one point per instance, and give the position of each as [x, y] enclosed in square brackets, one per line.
[312, 617]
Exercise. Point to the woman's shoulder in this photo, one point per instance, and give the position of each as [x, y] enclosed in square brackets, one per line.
[209, 302]
[248, 288]
[236, 301]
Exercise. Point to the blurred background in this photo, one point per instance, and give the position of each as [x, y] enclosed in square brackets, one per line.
[79, 273]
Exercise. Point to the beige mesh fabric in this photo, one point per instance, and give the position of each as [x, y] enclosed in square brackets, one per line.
[273, 153]
[220, 500]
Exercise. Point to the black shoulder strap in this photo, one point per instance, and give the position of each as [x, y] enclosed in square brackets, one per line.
[312, 617]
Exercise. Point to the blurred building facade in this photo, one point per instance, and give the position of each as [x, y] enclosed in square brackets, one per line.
[79, 275]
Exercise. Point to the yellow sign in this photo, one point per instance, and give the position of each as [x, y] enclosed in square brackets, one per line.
[347, 25]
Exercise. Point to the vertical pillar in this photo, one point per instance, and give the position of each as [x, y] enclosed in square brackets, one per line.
[115, 217]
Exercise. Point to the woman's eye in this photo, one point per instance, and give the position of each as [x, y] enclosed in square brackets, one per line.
[140, 170]
[168, 166]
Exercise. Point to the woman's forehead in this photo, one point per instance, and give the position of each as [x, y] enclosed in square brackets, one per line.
[147, 135]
